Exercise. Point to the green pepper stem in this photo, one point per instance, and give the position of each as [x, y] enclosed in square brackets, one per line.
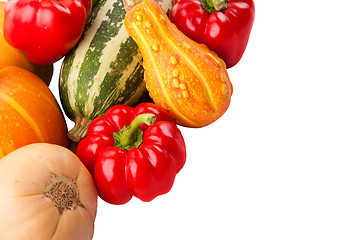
[214, 5]
[218, 4]
[128, 136]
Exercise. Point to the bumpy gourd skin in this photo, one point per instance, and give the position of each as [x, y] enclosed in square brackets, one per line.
[182, 76]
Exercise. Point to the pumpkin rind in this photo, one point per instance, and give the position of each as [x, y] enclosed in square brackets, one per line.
[182, 76]
[25, 211]
[29, 112]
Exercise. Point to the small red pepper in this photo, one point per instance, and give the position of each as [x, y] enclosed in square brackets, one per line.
[133, 152]
[223, 25]
[45, 29]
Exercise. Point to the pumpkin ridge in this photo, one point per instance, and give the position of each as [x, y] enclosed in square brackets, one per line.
[30, 195]
[81, 205]
[23, 114]
[51, 101]
[57, 225]
[200, 77]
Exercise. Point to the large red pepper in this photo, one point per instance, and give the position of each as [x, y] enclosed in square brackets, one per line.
[223, 25]
[131, 155]
[45, 29]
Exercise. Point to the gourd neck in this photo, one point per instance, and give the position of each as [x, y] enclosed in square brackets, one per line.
[80, 129]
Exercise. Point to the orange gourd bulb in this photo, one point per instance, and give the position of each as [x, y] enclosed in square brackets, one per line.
[182, 76]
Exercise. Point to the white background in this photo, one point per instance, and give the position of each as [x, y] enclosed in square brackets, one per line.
[284, 161]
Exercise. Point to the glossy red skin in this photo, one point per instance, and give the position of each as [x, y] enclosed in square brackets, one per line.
[144, 172]
[225, 32]
[45, 29]
[88, 7]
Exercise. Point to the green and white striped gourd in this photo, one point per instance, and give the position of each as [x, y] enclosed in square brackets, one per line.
[104, 68]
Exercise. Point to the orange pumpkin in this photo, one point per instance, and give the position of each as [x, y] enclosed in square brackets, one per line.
[13, 56]
[29, 113]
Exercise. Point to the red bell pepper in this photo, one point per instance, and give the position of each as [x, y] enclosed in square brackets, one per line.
[133, 152]
[223, 25]
[45, 29]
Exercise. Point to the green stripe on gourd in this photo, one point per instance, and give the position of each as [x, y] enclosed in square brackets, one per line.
[104, 68]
